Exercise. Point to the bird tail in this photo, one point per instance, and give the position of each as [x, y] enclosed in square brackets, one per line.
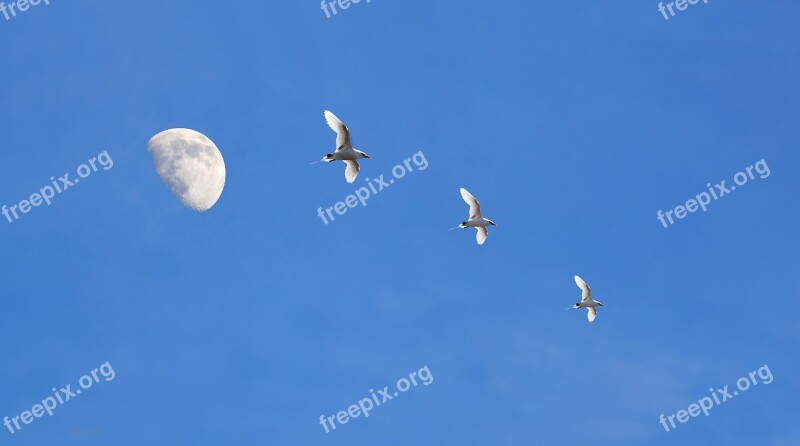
[328, 158]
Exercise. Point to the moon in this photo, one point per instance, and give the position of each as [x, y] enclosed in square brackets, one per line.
[191, 165]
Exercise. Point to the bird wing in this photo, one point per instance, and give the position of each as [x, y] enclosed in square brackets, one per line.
[482, 234]
[591, 314]
[587, 292]
[474, 206]
[342, 132]
[351, 172]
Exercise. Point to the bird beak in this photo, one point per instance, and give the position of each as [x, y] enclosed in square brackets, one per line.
[367, 156]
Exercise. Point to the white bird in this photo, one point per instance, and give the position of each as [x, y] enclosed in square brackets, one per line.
[586, 299]
[344, 150]
[475, 219]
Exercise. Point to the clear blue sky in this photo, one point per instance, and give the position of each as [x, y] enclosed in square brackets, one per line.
[572, 122]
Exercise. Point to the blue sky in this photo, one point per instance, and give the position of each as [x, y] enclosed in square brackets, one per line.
[572, 122]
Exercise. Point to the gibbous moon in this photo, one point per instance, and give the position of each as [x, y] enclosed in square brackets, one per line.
[191, 165]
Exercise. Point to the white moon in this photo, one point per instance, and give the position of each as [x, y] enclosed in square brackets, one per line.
[191, 165]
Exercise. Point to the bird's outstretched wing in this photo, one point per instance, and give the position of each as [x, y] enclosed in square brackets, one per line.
[351, 172]
[587, 292]
[481, 235]
[474, 206]
[591, 314]
[342, 132]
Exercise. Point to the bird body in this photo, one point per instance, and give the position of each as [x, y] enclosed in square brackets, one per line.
[348, 154]
[344, 149]
[477, 222]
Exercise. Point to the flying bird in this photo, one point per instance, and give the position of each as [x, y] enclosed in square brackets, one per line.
[475, 219]
[586, 299]
[344, 149]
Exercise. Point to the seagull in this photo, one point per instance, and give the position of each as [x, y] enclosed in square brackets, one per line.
[586, 299]
[344, 150]
[475, 219]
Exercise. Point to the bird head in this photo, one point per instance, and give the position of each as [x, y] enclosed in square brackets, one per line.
[491, 223]
[578, 305]
[600, 304]
[364, 155]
